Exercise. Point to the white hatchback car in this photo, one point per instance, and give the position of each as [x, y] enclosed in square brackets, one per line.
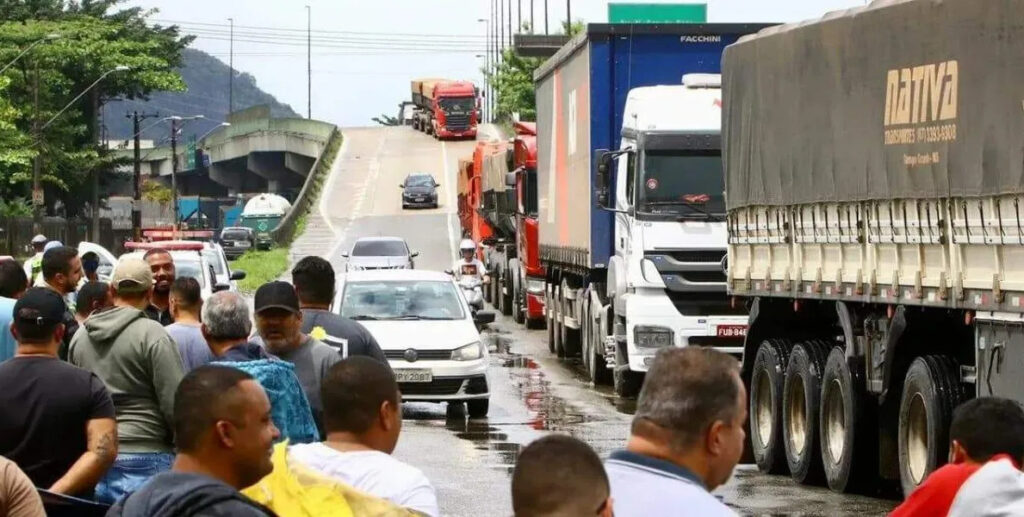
[427, 332]
[369, 253]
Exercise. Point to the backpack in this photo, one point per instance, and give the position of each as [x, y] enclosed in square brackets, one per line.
[289, 408]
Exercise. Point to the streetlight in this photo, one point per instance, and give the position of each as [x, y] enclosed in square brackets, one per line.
[174, 163]
[118, 68]
[37, 193]
[48, 37]
[218, 126]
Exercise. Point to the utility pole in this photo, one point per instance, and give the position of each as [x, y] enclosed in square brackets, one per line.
[174, 174]
[545, 17]
[231, 70]
[309, 63]
[37, 164]
[519, 16]
[533, 28]
[568, 18]
[95, 235]
[137, 198]
[510, 23]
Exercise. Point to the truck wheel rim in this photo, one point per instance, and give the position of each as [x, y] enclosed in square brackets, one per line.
[917, 438]
[835, 421]
[763, 409]
[797, 417]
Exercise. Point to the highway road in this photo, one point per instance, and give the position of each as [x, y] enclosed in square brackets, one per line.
[470, 461]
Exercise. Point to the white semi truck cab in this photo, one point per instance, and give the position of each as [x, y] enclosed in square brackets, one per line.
[666, 282]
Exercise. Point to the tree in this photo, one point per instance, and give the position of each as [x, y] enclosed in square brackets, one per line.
[93, 40]
[513, 81]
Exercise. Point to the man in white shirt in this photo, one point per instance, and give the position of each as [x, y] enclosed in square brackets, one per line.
[362, 419]
[468, 264]
[686, 438]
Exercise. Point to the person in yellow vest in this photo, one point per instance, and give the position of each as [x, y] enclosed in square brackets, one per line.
[34, 265]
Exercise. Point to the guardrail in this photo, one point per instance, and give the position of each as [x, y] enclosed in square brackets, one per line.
[284, 234]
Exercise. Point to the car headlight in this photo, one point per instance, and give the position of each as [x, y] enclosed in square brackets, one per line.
[535, 287]
[470, 352]
[652, 337]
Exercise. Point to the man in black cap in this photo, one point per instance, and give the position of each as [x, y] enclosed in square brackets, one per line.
[279, 323]
[56, 420]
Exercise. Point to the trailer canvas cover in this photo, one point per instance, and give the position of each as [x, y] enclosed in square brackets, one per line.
[900, 99]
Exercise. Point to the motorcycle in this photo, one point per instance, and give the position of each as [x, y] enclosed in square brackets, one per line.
[472, 289]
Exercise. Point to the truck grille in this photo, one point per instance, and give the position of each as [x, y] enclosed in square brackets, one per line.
[715, 256]
[436, 387]
[702, 276]
[421, 355]
[457, 122]
[701, 304]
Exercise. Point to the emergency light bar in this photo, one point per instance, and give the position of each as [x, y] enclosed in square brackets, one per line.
[166, 245]
[184, 234]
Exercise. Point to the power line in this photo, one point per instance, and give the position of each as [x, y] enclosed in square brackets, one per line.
[334, 39]
[322, 31]
[476, 50]
[335, 43]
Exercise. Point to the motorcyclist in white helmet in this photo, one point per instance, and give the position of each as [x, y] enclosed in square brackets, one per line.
[468, 264]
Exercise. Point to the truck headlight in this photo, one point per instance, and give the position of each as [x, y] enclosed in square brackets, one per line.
[535, 287]
[653, 337]
[470, 352]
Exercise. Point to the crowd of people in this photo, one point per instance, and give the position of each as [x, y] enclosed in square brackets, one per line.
[139, 398]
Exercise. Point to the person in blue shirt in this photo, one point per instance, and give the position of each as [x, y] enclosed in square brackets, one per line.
[13, 283]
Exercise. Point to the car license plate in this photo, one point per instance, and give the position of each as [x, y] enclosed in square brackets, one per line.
[420, 199]
[732, 330]
[242, 244]
[413, 375]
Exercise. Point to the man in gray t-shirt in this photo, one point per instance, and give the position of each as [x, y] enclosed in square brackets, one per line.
[186, 303]
[314, 284]
[279, 324]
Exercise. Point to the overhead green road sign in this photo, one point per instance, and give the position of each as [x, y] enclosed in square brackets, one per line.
[657, 13]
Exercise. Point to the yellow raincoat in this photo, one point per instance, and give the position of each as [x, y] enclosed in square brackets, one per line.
[293, 490]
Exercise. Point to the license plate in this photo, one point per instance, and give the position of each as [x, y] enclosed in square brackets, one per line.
[410, 375]
[732, 330]
[243, 244]
[420, 199]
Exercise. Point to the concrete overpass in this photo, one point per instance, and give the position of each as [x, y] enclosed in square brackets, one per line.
[254, 154]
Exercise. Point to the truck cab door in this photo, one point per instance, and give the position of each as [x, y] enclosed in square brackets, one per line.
[624, 182]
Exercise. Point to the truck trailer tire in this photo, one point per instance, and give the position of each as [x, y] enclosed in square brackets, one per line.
[931, 390]
[800, 405]
[767, 380]
[505, 299]
[593, 346]
[849, 452]
[549, 322]
[570, 337]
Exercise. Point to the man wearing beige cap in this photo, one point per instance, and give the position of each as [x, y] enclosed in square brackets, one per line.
[140, 364]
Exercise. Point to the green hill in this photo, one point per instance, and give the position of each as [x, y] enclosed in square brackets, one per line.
[207, 94]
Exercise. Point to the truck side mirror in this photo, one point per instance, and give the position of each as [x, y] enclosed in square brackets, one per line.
[510, 179]
[603, 159]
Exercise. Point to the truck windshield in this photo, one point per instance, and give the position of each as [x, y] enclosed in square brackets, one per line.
[682, 183]
[457, 104]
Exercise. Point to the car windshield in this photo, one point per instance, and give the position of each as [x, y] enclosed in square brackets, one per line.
[213, 257]
[401, 300]
[190, 268]
[683, 183]
[457, 104]
[419, 181]
[235, 235]
[379, 249]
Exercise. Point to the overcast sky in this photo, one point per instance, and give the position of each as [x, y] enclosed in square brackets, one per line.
[369, 50]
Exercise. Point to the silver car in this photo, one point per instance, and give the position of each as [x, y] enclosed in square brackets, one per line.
[370, 253]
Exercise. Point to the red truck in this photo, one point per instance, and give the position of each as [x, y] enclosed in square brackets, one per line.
[527, 273]
[446, 109]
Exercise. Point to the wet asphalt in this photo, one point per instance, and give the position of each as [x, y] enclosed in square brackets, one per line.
[470, 461]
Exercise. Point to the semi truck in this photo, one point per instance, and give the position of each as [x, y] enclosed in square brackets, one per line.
[633, 260]
[875, 230]
[445, 108]
[526, 272]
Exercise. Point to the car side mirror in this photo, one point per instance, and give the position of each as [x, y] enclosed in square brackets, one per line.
[449, 271]
[344, 254]
[414, 254]
[238, 274]
[510, 179]
[483, 317]
[401, 185]
[437, 185]
[221, 287]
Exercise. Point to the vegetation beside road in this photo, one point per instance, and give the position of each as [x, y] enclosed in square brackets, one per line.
[260, 267]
